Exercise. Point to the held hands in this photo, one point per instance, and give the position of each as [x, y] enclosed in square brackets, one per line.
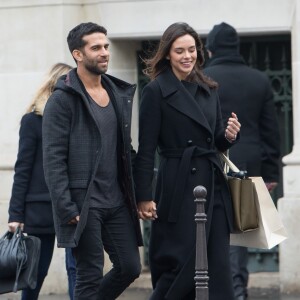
[12, 226]
[233, 128]
[147, 210]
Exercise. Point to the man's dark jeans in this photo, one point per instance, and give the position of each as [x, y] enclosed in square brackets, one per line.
[240, 274]
[111, 230]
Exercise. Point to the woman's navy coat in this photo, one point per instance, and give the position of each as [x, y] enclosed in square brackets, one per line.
[30, 201]
[188, 135]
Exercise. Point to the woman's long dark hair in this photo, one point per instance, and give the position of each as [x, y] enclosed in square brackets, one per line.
[159, 63]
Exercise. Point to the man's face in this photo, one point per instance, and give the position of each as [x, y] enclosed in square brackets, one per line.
[95, 53]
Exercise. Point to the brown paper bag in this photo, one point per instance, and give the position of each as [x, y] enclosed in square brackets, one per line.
[271, 231]
[242, 190]
[244, 204]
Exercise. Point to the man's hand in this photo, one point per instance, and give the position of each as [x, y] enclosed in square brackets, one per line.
[147, 210]
[271, 186]
[74, 221]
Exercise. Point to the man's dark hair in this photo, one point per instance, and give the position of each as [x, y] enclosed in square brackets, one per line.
[75, 36]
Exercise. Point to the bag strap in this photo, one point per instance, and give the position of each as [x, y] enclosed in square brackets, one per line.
[22, 254]
[229, 163]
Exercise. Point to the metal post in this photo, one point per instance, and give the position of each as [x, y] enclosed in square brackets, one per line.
[201, 277]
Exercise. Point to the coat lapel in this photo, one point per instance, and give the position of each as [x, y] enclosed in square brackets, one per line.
[181, 99]
[121, 93]
[79, 87]
[116, 101]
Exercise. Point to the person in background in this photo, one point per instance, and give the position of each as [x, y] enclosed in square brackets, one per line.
[87, 162]
[247, 92]
[30, 203]
[180, 117]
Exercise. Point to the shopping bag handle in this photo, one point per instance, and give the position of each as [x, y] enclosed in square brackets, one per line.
[229, 163]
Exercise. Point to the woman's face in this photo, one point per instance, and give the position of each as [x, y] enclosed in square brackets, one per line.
[183, 56]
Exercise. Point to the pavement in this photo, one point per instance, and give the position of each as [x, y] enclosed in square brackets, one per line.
[261, 286]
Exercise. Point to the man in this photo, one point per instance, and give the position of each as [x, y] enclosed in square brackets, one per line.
[87, 162]
[247, 92]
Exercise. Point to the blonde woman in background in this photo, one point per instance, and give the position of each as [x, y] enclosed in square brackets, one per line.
[30, 203]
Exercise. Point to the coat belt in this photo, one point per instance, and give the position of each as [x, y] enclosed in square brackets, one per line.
[186, 156]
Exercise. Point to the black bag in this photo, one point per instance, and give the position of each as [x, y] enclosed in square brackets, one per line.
[19, 259]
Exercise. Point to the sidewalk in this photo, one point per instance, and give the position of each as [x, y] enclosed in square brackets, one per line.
[261, 286]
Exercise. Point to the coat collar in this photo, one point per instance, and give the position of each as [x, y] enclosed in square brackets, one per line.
[175, 94]
[226, 59]
[169, 83]
[119, 91]
[119, 88]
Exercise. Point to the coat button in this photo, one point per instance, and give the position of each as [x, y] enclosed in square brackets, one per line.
[190, 142]
[126, 125]
[194, 170]
[208, 140]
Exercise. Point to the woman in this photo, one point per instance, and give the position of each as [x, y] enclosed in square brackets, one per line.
[180, 116]
[30, 204]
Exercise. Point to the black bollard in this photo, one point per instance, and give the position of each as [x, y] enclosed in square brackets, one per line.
[201, 267]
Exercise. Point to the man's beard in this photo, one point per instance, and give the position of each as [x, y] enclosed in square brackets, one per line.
[94, 69]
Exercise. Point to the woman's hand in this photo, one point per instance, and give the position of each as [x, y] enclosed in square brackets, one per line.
[233, 128]
[147, 210]
[12, 226]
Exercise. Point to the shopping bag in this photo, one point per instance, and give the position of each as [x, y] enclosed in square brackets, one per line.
[271, 231]
[19, 259]
[242, 189]
[244, 204]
